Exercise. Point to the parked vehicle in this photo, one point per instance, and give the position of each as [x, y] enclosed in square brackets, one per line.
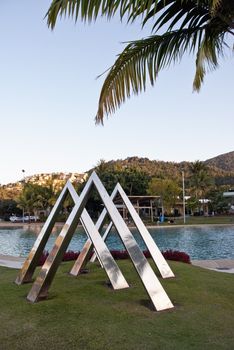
[26, 218]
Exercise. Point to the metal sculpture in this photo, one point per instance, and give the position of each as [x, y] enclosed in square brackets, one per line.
[151, 283]
[26, 273]
[115, 275]
[156, 254]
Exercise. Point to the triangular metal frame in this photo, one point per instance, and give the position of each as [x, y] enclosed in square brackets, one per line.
[149, 280]
[108, 263]
[156, 254]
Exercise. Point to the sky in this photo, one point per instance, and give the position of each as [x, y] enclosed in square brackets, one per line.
[49, 95]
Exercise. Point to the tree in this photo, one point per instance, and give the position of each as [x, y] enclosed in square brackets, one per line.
[34, 197]
[8, 207]
[193, 204]
[168, 190]
[26, 199]
[200, 182]
[3, 193]
[218, 203]
[135, 182]
[200, 179]
[190, 26]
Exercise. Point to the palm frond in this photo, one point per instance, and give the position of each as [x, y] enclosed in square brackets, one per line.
[178, 14]
[214, 6]
[189, 25]
[89, 10]
[140, 60]
[207, 57]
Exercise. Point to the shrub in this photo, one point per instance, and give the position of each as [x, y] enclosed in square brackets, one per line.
[119, 254]
[123, 254]
[70, 255]
[176, 256]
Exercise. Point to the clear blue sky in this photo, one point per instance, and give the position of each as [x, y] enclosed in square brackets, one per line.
[49, 95]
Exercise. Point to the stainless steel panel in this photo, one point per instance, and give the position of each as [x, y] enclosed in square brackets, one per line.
[151, 283]
[40, 287]
[30, 264]
[112, 270]
[156, 254]
[84, 255]
[94, 256]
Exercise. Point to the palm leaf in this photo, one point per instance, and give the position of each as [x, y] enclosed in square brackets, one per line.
[140, 60]
[207, 56]
[189, 25]
[91, 9]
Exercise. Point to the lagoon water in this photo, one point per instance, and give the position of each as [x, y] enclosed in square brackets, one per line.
[200, 242]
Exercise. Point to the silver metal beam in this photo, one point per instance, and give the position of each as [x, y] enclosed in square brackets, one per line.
[26, 273]
[75, 197]
[156, 254]
[151, 283]
[84, 255]
[108, 229]
[41, 286]
[115, 275]
[149, 280]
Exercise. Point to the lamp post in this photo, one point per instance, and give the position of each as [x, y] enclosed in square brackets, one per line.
[183, 197]
[23, 171]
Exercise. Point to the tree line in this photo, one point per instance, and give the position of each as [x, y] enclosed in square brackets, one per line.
[199, 184]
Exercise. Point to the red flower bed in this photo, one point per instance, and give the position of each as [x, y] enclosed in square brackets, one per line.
[176, 256]
[119, 254]
[123, 254]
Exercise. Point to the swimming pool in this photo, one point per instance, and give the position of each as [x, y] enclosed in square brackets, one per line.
[200, 242]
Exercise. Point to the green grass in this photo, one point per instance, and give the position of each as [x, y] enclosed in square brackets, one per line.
[208, 220]
[84, 313]
[198, 220]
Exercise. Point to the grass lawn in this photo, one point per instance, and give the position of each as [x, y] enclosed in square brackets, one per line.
[84, 313]
[206, 220]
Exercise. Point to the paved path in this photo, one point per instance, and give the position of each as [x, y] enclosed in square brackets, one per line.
[11, 261]
[223, 265]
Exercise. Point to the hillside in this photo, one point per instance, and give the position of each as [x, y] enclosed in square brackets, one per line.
[171, 170]
[12, 190]
[221, 169]
[224, 161]
[154, 168]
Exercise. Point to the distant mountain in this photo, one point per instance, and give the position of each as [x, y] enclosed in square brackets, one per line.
[224, 166]
[224, 162]
[12, 190]
[153, 168]
[221, 169]
[222, 175]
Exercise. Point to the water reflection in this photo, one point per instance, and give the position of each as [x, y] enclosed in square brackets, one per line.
[203, 242]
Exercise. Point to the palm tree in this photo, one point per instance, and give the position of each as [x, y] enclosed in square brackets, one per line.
[200, 179]
[199, 27]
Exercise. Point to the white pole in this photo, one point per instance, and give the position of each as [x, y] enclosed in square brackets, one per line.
[183, 197]
[23, 171]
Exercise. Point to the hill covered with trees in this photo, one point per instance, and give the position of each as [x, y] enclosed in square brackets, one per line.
[224, 162]
[220, 169]
[138, 176]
